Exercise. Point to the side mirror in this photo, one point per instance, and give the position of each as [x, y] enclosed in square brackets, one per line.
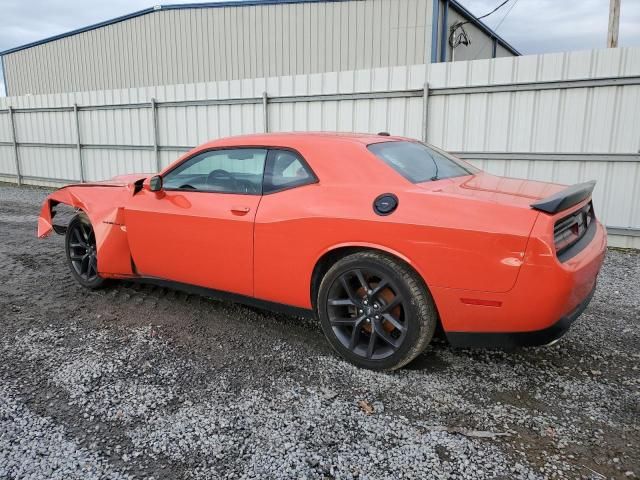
[155, 183]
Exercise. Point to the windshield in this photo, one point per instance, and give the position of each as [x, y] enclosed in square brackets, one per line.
[418, 162]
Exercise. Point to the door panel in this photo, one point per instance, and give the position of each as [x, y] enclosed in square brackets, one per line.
[199, 238]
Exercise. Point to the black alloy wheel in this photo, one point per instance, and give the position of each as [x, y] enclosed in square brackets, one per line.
[82, 252]
[375, 310]
[366, 313]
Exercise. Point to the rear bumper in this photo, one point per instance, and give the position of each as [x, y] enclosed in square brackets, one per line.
[547, 297]
[507, 340]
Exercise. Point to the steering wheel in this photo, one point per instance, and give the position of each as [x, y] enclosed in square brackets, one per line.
[245, 186]
[220, 174]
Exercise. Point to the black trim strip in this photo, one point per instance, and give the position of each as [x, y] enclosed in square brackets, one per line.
[510, 340]
[226, 296]
[565, 198]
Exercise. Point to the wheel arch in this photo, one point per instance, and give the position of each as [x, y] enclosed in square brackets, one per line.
[333, 254]
[63, 196]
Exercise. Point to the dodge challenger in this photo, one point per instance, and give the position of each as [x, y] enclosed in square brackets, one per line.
[382, 238]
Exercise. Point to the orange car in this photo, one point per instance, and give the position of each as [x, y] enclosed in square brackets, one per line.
[383, 238]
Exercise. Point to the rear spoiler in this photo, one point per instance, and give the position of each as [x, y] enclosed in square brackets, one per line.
[566, 198]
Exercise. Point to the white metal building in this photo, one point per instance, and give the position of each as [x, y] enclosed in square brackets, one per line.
[194, 43]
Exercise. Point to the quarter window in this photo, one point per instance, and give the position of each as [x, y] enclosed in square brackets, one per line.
[285, 169]
[230, 171]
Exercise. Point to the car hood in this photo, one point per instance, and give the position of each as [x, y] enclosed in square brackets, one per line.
[491, 188]
[117, 181]
[130, 177]
[122, 180]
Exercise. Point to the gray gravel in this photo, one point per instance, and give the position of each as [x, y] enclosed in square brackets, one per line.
[142, 382]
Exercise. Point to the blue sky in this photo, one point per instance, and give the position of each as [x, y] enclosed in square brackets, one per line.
[532, 26]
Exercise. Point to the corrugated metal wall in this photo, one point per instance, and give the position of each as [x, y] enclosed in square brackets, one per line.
[481, 44]
[504, 115]
[222, 43]
[566, 135]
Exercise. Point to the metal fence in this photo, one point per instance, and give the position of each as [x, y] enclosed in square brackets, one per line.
[153, 109]
[559, 117]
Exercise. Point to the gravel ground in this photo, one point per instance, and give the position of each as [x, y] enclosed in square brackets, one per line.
[142, 382]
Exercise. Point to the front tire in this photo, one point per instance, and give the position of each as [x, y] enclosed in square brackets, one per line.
[375, 311]
[82, 253]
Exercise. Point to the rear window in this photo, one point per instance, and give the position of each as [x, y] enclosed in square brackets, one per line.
[418, 162]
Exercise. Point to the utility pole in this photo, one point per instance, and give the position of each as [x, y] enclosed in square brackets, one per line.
[614, 23]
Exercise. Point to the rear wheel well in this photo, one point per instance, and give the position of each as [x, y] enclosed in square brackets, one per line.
[328, 259]
[324, 264]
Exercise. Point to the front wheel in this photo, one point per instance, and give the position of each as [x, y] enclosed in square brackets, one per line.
[82, 253]
[375, 311]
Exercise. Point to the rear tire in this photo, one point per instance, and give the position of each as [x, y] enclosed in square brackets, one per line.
[375, 311]
[82, 254]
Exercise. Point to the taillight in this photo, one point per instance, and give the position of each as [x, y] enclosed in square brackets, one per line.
[570, 229]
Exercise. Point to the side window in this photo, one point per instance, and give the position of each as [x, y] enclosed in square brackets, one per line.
[231, 171]
[285, 169]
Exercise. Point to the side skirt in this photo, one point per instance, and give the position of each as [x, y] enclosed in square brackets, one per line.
[226, 296]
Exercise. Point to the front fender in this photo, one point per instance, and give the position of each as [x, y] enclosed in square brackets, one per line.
[104, 206]
[64, 195]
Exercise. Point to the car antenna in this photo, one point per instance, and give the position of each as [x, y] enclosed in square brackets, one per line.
[435, 164]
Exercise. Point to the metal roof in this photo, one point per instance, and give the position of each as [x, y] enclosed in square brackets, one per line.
[235, 3]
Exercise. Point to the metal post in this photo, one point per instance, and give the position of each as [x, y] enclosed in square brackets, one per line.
[614, 23]
[15, 145]
[156, 150]
[425, 111]
[265, 111]
[78, 143]
[435, 16]
[444, 32]
[4, 77]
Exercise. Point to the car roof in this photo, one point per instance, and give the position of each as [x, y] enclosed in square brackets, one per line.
[335, 157]
[285, 138]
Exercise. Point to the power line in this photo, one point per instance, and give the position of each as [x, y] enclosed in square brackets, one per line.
[497, 27]
[506, 15]
[495, 9]
[486, 14]
[462, 38]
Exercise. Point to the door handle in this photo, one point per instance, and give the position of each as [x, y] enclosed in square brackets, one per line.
[238, 210]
